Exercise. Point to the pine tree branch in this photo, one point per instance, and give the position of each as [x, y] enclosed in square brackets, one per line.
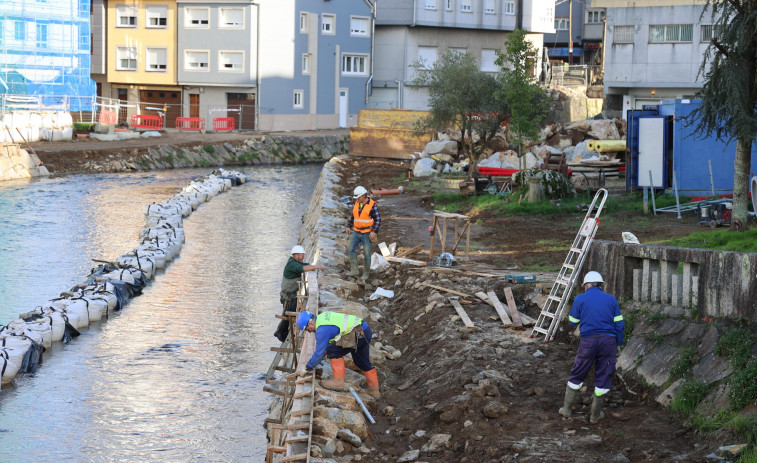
[720, 48]
[737, 6]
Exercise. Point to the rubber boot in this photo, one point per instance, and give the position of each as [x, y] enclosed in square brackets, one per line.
[353, 266]
[366, 270]
[337, 383]
[596, 409]
[570, 395]
[373, 385]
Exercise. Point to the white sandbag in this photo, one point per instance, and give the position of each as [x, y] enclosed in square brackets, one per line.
[143, 263]
[378, 262]
[13, 349]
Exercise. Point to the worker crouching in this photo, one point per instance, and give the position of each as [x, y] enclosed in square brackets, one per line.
[336, 335]
[598, 316]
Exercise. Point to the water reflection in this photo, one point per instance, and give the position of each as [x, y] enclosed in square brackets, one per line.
[176, 376]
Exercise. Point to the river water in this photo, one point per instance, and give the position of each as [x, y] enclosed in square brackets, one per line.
[177, 375]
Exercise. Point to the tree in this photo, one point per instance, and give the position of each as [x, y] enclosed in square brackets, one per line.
[729, 93]
[462, 96]
[519, 91]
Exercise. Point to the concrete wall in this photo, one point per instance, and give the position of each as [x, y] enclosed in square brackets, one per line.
[714, 283]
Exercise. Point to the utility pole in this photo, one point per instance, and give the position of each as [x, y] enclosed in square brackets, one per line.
[570, 32]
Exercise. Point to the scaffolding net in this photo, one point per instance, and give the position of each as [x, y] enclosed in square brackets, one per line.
[45, 55]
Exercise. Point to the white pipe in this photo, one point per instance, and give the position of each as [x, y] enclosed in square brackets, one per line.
[362, 405]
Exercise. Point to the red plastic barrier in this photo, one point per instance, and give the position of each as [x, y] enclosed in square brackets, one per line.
[143, 121]
[495, 171]
[107, 117]
[223, 123]
[190, 123]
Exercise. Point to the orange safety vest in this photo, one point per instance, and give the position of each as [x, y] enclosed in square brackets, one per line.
[362, 220]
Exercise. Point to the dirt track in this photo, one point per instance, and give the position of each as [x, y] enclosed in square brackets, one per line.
[491, 390]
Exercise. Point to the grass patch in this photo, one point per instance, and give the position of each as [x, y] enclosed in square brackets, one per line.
[688, 397]
[657, 317]
[209, 149]
[736, 345]
[721, 239]
[630, 317]
[83, 126]
[684, 363]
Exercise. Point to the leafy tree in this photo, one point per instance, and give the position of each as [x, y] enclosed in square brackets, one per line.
[729, 93]
[519, 91]
[462, 96]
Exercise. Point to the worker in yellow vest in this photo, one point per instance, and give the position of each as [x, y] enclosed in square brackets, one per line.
[364, 222]
[336, 335]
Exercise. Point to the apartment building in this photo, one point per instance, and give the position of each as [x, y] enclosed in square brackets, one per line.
[569, 22]
[99, 63]
[412, 30]
[653, 50]
[141, 60]
[45, 52]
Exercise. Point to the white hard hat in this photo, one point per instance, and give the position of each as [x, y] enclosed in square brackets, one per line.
[298, 250]
[593, 277]
[359, 191]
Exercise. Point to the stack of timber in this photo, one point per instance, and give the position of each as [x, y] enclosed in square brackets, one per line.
[387, 133]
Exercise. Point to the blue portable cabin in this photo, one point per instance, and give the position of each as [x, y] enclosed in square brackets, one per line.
[683, 152]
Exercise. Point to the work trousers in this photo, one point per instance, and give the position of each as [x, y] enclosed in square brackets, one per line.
[597, 352]
[360, 355]
[355, 239]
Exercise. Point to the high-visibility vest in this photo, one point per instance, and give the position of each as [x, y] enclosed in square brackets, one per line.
[362, 220]
[344, 322]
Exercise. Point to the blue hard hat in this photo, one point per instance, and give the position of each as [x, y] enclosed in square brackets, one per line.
[303, 319]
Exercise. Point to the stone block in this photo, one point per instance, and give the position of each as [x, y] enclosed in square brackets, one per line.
[667, 395]
[655, 287]
[675, 290]
[667, 269]
[348, 419]
[636, 347]
[712, 368]
[655, 368]
[637, 284]
[694, 292]
[686, 285]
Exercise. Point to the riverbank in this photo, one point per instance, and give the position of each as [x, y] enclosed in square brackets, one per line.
[488, 393]
[175, 149]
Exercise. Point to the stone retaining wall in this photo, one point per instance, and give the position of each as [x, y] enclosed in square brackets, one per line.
[718, 284]
[16, 163]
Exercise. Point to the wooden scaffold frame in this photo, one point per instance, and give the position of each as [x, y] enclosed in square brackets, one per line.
[439, 228]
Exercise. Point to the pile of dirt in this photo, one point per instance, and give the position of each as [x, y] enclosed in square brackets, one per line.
[491, 393]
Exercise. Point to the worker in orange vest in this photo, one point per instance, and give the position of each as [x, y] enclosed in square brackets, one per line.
[364, 222]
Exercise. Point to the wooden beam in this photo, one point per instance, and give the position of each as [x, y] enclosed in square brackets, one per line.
[499, 308]
[524, 318]
[517, 323]
[409, 252]
[399, 260]
[461, 312]
[384, 250]
[452, 291]
[274, 391]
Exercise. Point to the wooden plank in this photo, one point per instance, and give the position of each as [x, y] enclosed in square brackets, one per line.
[284, 369]
[283, 350]
[524, 318]
[298, 457]
[452, 291]
[460, 311]
[384, 250]
[499, 308]
[274, 391]
[409, 252]
[400, 260]
[517, 323]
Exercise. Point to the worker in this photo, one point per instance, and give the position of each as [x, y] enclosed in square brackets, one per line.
[365, 222]
[289, 288]
[598, 316]
[336, 335]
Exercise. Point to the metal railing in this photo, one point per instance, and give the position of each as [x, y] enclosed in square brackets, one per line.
[575, 76]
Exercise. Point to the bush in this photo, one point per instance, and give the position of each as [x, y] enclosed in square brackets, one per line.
[555, 185]
[83, 126]
[744, 386]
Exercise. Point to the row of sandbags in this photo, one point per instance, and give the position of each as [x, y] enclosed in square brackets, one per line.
[110, 285]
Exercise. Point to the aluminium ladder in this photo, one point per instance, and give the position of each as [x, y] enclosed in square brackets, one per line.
[553, 309]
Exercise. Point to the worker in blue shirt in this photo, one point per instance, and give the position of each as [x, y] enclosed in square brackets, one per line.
[598, 316]
[336, 335]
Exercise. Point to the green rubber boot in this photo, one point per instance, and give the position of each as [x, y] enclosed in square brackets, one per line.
[570, 396]
[366, 271]
[596, 409]
[353, 266]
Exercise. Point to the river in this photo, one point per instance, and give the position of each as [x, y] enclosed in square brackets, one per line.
[178, 374]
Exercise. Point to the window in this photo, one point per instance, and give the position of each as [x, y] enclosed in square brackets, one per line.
[708, 32]
[126, 58]
[304, 23]
[2, 32]
[85, 7]
[561, 24]
[231, 18]
[126, 16]
[231, 61]
[359, 26]
[430, 4]
[306, 63]
[42, 35]
[670, 33]
[19, 30]
[622, 34]
[156, 59]
[465, 6]
[355, 65]
[327, 24]
[297, 101]
[489, 7]
[196, 60]
[156, 16]
[488, 61]
[594, 16]
[85, 40]
[448, 5]
[427, 56]
[196, 17]
[509, 7]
